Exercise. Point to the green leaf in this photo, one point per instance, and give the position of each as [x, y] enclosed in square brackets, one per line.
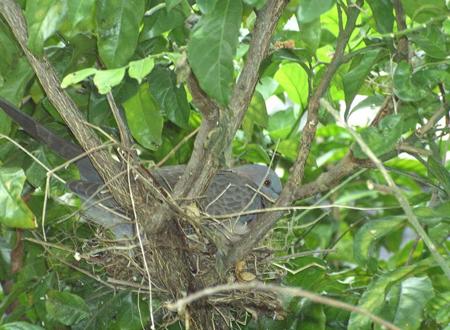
[107, 79]
[383, 14]
[131, 314]
[43, 20]
[422, 11]
[282, 123]
[118, 25]
[353, 79]
[20, 325]
[162, 21]
[309, 10]
[80, 18]
[310, 34]
[258, 4]
[75, 77]
[141, 68]
[254, 153]
[404, 86]
[294, 80]
[382, 139]
[439, 171]
[171, 99]
[35, 173]
[373, 299]
[16, 81]
[171, 3]
[144, 118]
[206, 5]
[433, 41]
[312, 316]
[66, 307]
[212, 48]
[368, 235]
[413, 295]
[255, 115]
[288, 148]
[14, 212]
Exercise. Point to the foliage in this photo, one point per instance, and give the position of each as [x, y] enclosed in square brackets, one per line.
[139, 51]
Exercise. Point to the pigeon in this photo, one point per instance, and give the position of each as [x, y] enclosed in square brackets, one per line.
[232, 194]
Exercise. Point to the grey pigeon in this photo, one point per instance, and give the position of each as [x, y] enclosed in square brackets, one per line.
[230, 192]
[241, 189]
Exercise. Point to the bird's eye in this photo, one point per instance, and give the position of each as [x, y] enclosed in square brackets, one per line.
[267, 182]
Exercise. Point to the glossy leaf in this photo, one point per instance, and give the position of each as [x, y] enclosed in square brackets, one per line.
[432, 41]
[439, 171]
[14, 212]
[373, 298]
[311, 34]
[383, 14]
[20, 325]
[423, 11]
[141, 68]
[162, 21]
[144, 118]
[368, 235]
[171, 3]
[255, 115]
[171, 98]
[309, 10]
[354, 78]
[382, 139]
[404, 86]
[254, 153]
[118, 30]
[66, 307]
[282, 123]
[212, 48]
[206, 5]
[80, 18]
[107, 79]
[258, 4]
[294, 80]
[76, 77]
[43, 20]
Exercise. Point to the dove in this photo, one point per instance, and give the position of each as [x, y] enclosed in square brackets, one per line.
[233, 191]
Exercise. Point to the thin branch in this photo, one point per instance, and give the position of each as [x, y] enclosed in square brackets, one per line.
[125, 137]
[402, 44]
[178, 146]
[180, 305]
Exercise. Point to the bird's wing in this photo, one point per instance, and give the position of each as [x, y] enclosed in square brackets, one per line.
[100, 207]
[62, 147]
[230, 193]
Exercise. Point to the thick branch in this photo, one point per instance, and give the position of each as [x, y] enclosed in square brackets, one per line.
[216, 133]
[288, 194]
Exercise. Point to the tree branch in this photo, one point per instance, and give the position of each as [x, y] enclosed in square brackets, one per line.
[217, 131]
[263, 224]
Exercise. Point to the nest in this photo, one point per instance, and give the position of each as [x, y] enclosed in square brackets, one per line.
[119, 264]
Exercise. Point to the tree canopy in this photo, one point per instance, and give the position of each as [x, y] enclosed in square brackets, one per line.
[347, 100]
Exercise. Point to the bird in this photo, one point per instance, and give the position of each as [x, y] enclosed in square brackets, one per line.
[231, 194]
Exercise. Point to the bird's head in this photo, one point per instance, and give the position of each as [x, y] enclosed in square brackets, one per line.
[263, 177]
